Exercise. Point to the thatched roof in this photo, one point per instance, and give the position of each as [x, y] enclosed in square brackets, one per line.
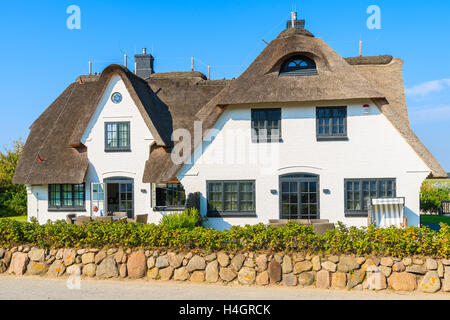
[375, 60]
[336, 79]
[160, 167]
[185, 98]
[387, 77]
[178, 75]
[55, 136]
[169, 101]
[386, 74]
[376, 78]
[437, 171]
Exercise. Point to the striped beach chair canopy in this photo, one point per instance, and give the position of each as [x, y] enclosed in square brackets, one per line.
[386, 213]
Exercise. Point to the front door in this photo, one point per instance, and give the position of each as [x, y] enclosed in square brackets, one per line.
[120, 197]
[299, 197]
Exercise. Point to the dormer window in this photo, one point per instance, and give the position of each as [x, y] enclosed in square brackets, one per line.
[298, 66]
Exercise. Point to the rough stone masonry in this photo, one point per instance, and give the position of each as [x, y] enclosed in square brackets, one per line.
[344, 272]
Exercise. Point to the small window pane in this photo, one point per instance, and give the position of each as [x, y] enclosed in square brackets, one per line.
[371, 189]
[266, 125]
[231, 197]
[298, 66]
[66, 196]
[167, 195]
[117, 136]
[331, 121]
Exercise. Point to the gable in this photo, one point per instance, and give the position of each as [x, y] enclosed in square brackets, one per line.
[108, 111]
[154, 112]
[56, 135]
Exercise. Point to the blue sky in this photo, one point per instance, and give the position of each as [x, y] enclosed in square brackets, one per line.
[40, 56]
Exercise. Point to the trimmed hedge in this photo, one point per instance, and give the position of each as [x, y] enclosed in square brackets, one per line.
[293, 237]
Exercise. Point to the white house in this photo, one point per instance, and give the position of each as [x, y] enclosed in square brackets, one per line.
[302, 134]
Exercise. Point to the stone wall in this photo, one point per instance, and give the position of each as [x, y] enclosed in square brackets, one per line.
[294, 270]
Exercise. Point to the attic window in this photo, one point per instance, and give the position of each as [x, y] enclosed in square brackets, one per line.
[298, 66]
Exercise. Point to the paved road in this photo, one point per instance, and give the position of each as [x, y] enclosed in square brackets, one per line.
[24, 288]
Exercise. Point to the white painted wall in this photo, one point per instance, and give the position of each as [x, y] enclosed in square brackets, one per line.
[375, 149]
[103, 165]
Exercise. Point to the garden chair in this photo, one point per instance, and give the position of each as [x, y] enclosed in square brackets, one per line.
[103, 219]
[445, 208]
[120, 214]
[70, 218]
[82, 220]
[141, 218]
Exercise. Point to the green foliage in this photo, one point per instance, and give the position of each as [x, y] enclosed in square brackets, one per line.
[432, 195]
[188, 219]
[292, 237]
[13, 198]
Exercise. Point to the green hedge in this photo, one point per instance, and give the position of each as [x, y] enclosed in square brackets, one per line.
[293, 237]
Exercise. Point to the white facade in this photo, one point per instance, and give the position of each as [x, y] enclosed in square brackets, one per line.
[375, 149]
[106, 165]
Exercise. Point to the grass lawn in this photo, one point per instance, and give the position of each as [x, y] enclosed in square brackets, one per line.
[434, 219]
[21, 218]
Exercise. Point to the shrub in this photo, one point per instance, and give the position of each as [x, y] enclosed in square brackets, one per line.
[13, 198]
[188, 219]
[292, 237]
[432, 195]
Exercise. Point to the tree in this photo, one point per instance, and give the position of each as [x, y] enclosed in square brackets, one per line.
[13, 198]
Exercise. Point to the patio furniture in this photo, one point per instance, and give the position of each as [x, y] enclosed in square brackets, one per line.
[70, 218]
[82, 220]
[445, 209]
[385, 213]
[120, 214]
[141, 218]
[119, 218]
[103, 219]
[320, 225]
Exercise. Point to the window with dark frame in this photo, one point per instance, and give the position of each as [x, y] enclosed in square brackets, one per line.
[266, 125]
[170, 196]
[331, 122]
[117, 136]
[299, 66]
[66, 197]
[231, 198]
[358, 193]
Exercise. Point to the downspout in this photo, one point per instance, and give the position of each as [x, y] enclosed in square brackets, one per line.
[37, 206]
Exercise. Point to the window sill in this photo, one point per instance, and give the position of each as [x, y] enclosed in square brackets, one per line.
[168, 209]
[66, 210]
[231, 215]
[117, 150]
[331, 138]
[268, 141]
[357, 214]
